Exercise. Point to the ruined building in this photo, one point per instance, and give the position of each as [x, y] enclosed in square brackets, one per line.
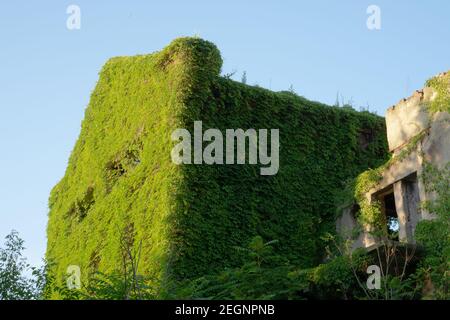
[418, 133]
[122, 192]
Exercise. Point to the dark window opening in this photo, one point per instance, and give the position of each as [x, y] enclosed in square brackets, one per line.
[390, 211]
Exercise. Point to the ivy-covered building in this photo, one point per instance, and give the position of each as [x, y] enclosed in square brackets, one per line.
[405, 190]
[122, 193]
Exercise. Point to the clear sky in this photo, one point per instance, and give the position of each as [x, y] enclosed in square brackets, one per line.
[47, 72]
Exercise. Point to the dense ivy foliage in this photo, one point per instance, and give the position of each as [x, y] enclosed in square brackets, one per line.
[120, 178]
[441, 85]
[434, 235]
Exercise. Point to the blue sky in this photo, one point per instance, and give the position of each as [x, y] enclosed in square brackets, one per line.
[47, 72]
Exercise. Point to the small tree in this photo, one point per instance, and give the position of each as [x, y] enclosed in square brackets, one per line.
[14, 285]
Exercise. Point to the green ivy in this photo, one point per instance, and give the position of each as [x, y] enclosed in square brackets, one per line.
[189, 217]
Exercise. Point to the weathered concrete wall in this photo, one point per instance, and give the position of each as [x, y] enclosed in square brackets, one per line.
[436, 146]
[407, 118]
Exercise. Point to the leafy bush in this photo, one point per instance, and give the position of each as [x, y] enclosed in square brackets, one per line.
[265, 276]
[257, 278]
